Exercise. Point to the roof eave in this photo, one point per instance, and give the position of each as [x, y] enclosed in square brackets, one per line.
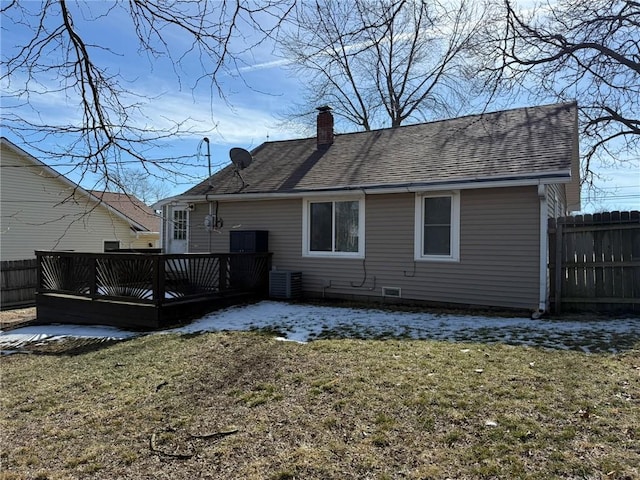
[413, 187]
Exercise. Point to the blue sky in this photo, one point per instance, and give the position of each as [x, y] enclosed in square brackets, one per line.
[246, 117]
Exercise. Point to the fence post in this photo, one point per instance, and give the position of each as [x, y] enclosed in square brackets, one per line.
[557, 295]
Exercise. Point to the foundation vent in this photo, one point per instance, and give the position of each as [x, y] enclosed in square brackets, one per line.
[393, 292]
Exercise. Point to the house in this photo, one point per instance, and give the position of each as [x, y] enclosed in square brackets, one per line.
[40, 209]
[134, 209]
[446, 212]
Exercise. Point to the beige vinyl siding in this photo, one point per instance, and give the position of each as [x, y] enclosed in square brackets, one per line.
[556, 201]
[498, 248]
[38, 211]
[282, 218]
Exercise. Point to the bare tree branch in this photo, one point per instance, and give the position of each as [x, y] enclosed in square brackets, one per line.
[383, 62]
[100, 119]
[586, 50]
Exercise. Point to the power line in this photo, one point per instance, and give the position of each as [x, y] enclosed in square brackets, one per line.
[619, 187]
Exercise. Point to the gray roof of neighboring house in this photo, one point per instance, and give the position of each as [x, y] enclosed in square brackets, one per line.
[526, 142]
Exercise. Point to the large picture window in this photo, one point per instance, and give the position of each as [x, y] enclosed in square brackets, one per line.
[334, 227]
[437, 227]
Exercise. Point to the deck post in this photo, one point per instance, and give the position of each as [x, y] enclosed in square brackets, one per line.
[222, 272]
[93, 281]
[158, 279]
[39, 272]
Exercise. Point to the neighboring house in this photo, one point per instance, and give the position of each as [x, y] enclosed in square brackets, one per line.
[447, 212]
[40, 209]
[134, 209]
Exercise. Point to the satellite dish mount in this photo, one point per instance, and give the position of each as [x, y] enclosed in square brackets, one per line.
[241, 158]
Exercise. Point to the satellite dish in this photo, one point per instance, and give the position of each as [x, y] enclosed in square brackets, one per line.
[240, 157]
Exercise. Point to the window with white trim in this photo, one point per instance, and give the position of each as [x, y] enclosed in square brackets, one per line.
[333, 227]
[179, 224]
[437, 232]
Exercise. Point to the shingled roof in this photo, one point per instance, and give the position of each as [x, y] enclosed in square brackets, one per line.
[131, 207]
[535, 142]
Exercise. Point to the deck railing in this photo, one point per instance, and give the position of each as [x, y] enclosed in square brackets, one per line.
[151, 278]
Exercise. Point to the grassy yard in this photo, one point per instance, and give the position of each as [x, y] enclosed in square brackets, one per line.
[245, 406]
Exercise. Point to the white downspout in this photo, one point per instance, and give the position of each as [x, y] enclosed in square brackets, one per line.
[544, 252]
[164, 227]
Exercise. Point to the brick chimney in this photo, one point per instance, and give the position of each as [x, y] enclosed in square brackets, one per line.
[325, 127]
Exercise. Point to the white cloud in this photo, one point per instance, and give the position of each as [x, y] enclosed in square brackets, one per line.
[265, 65]
[230, 124]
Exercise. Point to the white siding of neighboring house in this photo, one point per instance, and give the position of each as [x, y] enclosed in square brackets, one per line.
[41, 212]
[145, 241]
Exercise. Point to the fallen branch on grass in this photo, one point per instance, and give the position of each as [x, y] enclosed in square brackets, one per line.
[186, 456]
[154, 448]
[220, 434]
[160, 385]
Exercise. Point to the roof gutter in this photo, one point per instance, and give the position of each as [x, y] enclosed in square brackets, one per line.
[416, 187]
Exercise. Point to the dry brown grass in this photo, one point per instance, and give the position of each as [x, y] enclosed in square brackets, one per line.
[242, 405]
[17, 317]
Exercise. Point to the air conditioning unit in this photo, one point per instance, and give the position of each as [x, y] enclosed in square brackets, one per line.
[285, 284]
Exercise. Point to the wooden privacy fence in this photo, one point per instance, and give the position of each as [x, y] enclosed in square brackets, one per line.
[19, 280]
[594, 262]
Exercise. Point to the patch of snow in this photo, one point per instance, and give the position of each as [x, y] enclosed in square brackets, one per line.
[43, 333]
[284, 339]
[303, 323]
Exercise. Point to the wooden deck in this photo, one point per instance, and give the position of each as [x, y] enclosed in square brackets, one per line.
[144, 290]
